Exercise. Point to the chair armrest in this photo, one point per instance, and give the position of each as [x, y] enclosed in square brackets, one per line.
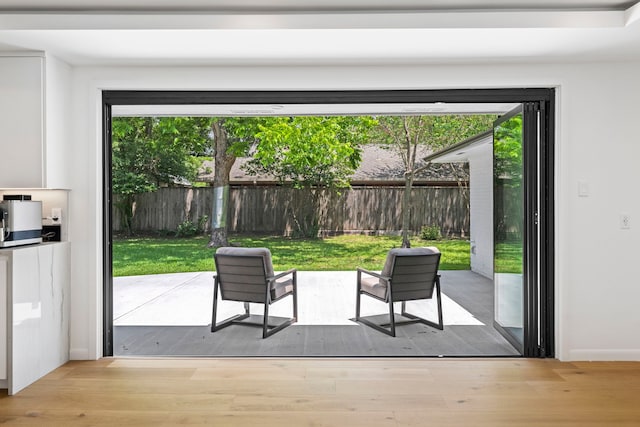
[284, 273]
[373, 273]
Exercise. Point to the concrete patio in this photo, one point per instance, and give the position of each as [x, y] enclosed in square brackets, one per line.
[324, 298]
[169, 315]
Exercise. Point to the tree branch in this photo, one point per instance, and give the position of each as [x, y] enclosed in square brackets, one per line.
[421, 168]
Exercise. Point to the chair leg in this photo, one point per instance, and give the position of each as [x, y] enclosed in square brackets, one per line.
[358, 294]
[266, 331]
[375, 326]
[365, 321]
[392, 318]
[217, 326]
[265, 320]
[439, 295]
[215, 303]
[414, 318]
[267, 328]
[295, 296]
[358, 318]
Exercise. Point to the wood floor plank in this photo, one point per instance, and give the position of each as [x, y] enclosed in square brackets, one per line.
[279, 392]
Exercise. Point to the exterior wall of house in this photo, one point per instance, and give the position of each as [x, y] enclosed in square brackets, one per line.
[481, 210]
[596, 143]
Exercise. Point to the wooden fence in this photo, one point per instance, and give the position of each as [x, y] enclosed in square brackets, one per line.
[274, 209]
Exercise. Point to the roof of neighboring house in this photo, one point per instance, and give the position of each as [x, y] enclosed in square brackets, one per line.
[380, 165]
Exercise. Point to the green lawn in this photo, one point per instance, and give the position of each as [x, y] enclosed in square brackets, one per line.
[509, 258]
[140, 256]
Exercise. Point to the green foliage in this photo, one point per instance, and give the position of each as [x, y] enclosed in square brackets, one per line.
[138, 256]
[406, 133]
[241, 133]
[435, 132]
[430, 232]
[310, 150]
[508, 173]
[189, 229]
[150, 151]
[202, 222]
[186, 229]
[508, 151]
[306, 225]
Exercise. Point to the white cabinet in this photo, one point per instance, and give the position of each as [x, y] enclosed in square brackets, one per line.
[38, 311]
[3, 321]
[22, 121]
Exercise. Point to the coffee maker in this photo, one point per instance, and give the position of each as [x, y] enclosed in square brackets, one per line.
[20, 221]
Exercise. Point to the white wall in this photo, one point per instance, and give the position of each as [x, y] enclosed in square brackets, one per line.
[597, 141]
[58, 122]
[481, 209]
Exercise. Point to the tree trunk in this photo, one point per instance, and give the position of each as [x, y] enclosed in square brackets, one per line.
[124, 205]
[222, 167]
[406, 209]
[305, 216]
[218, 238]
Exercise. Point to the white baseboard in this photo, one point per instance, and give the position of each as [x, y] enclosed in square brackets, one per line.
[79, 354]
[609, 355]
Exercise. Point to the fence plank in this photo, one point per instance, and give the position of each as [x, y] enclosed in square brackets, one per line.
[272, 209]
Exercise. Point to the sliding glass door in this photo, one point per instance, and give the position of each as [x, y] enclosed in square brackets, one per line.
[517, 175]
[508, 227]
[523, 191]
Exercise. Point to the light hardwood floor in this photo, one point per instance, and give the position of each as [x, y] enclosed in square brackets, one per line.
[330, 392]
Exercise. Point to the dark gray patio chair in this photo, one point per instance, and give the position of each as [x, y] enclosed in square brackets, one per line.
[246, 275]
[408, 274]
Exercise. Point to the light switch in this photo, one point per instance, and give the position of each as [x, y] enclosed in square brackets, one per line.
[625, 221]
[583, 189]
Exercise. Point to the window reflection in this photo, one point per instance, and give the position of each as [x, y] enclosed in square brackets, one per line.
[509, 225]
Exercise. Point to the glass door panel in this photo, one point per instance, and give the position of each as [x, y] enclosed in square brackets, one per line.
[509, 202]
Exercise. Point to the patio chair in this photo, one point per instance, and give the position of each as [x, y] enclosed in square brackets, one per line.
[408, 274]
[246, 275]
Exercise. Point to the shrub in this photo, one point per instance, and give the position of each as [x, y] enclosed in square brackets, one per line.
[430, 232]
[202, 224]
[186, 229]
[189, 229]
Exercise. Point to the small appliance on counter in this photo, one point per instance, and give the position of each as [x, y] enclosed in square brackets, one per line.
[20, 221]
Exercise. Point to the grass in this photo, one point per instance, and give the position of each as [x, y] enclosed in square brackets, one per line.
[146, 255]
[509, 258]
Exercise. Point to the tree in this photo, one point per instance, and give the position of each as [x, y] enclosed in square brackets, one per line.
[312, 153]
[148, 152]
[308, 152]
[406, 133]
[508, 176]
[231, 137]
[508, 150]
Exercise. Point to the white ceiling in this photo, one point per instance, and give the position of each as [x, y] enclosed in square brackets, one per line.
[242, 32]
[289, 5]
